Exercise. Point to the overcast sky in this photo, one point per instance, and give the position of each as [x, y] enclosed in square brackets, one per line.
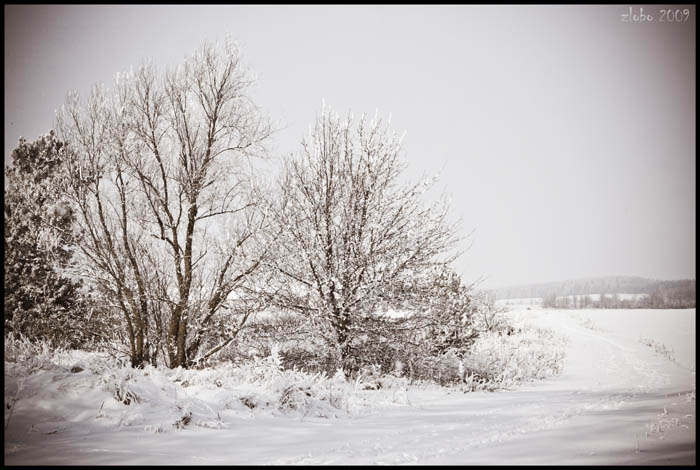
[564, 135]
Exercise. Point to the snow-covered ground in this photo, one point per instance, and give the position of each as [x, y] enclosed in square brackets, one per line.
[626, 395]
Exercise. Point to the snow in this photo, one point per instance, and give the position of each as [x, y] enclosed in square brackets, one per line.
[617, 400]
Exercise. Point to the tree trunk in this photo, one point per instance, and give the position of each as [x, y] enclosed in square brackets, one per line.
[347, 359]
[171, 339]
[181, 336]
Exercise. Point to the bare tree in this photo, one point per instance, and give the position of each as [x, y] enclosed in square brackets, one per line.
[350, 229]
[163, 197]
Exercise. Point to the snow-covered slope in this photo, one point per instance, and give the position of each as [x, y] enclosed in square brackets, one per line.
[626, 395]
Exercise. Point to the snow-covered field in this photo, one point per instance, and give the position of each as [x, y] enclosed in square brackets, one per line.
[626, 395]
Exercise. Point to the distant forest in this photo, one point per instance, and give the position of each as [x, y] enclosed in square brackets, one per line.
[603, 292]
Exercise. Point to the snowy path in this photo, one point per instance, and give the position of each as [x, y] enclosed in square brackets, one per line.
[618, 401]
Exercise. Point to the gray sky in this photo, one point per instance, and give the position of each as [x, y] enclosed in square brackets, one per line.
[564, 135]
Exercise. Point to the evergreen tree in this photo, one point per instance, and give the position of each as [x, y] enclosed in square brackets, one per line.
[41, 300]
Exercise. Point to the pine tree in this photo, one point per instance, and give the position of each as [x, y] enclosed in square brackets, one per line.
[41, 300]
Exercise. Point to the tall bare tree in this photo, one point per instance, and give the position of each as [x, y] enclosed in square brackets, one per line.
[163, 198]
[350, 229]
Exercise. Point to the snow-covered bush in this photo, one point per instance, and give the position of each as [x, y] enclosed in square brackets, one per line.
[486, 317]
[167, 400]
[659, 348]
[498, 354]
[499, 360]
[25, 356]
[164, 400]
[292, 334]
[284, 391]
[119, 382]
[380, 344]
[480, 347]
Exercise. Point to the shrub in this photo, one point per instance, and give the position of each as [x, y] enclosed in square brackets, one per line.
[504, 360]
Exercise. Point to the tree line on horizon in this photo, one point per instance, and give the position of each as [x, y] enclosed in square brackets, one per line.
[671, 297]
[578, 293]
